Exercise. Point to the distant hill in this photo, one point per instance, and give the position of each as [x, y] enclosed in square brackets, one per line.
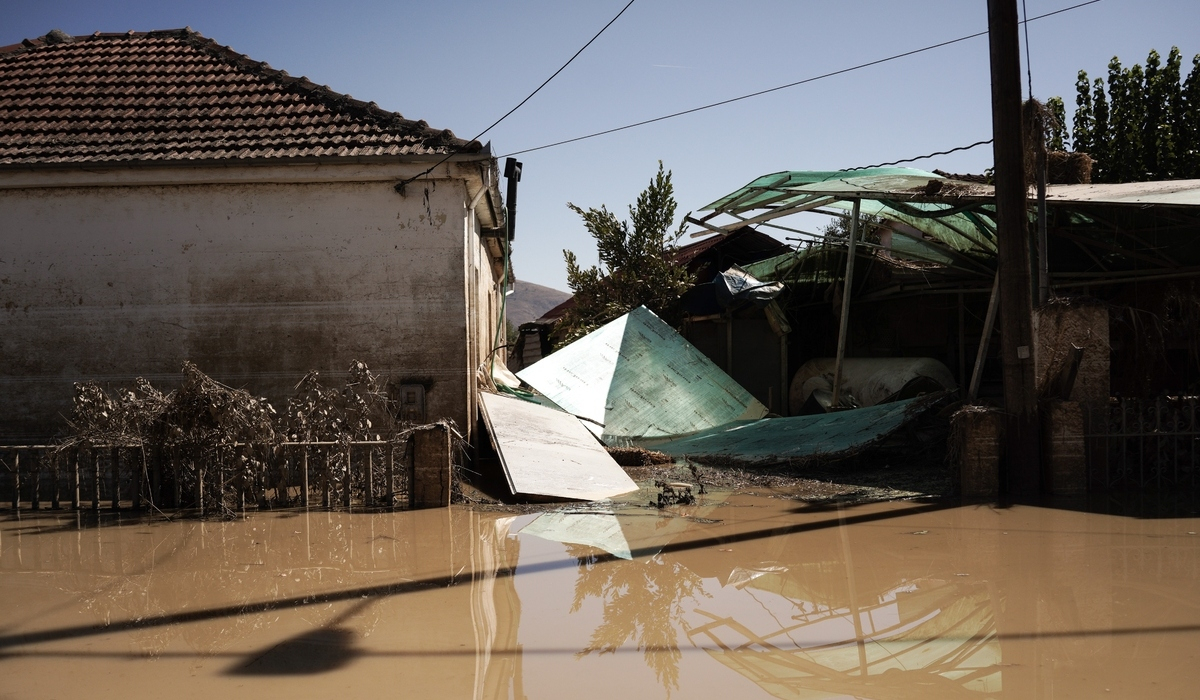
[530, 301]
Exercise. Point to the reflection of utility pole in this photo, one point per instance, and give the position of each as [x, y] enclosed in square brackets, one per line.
[1016, 310]
[855, 611]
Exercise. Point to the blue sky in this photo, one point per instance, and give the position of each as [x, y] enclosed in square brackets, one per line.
[460, 64]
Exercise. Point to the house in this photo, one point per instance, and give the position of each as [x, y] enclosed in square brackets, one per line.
[163, 197]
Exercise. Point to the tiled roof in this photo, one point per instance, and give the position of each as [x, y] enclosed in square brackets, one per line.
[176, 96]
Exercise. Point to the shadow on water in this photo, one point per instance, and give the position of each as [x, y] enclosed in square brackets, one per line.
[317, 651]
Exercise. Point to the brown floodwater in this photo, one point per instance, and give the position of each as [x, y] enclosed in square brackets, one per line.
[739, 596]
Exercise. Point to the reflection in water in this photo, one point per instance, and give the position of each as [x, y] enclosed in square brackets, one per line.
[927, 635]
[756, 598]
[643, 600]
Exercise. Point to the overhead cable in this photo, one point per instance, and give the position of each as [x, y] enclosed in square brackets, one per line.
[528, 97]
[929, 155]
[789, 85]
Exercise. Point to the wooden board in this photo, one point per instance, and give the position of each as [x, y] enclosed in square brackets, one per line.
[550, 453]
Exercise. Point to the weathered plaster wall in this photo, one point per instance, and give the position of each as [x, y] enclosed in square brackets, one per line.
[255, 283]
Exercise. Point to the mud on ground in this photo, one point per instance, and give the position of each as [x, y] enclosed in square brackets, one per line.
[880, 475]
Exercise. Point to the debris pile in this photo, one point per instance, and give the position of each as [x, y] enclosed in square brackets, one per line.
[226, 443]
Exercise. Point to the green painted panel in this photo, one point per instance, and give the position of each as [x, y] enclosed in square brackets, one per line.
[640, 379]
[772, 440]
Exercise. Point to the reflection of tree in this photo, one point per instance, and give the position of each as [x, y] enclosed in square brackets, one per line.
[642, 600]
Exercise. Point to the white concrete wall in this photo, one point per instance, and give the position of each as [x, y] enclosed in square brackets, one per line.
[256, 283]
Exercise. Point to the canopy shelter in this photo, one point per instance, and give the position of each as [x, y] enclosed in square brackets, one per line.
[1098, 233]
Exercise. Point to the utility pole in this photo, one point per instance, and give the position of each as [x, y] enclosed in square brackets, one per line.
[1021, 471]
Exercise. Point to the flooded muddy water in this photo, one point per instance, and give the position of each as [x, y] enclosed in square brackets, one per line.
[739, 596]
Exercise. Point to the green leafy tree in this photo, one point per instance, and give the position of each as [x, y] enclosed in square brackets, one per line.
[1085, 122]
[1101, 137]
[1126, 116]
[638, 263]
[1189, 123]
[1056, 126]
[1144, 124]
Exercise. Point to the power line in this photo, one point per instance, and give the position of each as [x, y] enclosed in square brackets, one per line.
[528, 97]
[930, 155]
[788, 85]
[1028, 56]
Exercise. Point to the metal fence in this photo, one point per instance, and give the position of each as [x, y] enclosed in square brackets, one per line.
[1144, 444]
[229, 478]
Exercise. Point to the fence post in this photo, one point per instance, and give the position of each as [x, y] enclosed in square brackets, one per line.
[139, 478]
[116, 478]
[198, 467]
[369, 497]
[304, 476]
[349, 479]
[95, 479]
[391, 475]
[75, 478]
[326, 479]
[16, 480]
[430, 483]
[156, 454]
[35, 464]
[55, 474]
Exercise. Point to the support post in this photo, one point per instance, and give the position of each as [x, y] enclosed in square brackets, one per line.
[391, 475]
[349, 478]
[96, 479]
[1023, 471]
[116, 478]
[369, 497]
[430, 483]
[985, 339]
[304, 477]
[16, 480]
[844, 323]
[75, 478]
[36, 464]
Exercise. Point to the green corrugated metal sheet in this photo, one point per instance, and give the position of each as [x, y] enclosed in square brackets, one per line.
[772, 440]
[769, 186]
[641, 380]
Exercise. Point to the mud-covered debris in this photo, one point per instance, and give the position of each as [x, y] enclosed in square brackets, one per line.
[673, 493]
[638, 456]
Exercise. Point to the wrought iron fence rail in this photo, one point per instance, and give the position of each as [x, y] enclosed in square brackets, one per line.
[371, 473]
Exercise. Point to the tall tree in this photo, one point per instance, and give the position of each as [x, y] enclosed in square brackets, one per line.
[1085, 122]
[1189, 123]
[638, 261]
[1101, 136]
[1145, 124]
[1125, 110]
[1154, 105]
[1056, 127]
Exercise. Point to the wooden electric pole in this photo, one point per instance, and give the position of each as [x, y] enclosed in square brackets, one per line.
[1021, 472]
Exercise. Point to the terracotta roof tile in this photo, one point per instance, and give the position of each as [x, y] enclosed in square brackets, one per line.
[175, 95]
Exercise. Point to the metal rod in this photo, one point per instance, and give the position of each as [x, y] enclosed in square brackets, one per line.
[346, 485]
[16, 480]
[989, 322]
[844, 323]
[75, 478]
[115, 472]
[96, 479]
[304, 478]
[35, 499]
